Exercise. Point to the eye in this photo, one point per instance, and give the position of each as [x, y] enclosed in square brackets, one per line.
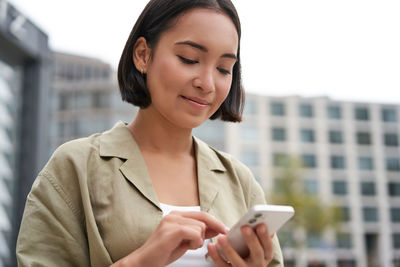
[224, 71]
[187, 61]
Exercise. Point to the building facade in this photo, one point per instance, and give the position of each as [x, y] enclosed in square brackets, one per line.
[352, 158]
[24, 83]
[84, 98]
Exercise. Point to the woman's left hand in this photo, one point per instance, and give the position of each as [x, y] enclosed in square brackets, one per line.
[259, 243]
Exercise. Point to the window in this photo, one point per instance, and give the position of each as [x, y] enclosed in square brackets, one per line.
[393, 164]
[314, 240]
[278, 134]
[277, 109]
[363, 138]
[361, 114]
[394, 189]
[338, 162]
[311, 186]
[343, 240]
[82, 100]
[389, 115]
[345, 214]
[249, 133]
[250, 157]
[370, 214]
[306, 110]
[64, 101]
[100, 99]
[391, 139]
[368, 188]
[396, 240]
[250, 108]
[309, 161]
[346, 263]
[280, 159]
[307, 136]
[334, 112]
[339, 188]
[395, 215]
[335, 137]
[365, 163]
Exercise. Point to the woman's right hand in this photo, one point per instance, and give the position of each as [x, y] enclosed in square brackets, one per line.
[176, 233]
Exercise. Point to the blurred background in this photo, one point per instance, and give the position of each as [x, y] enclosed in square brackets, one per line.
[321, 122]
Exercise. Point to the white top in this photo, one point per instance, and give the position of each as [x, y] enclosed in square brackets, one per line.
[192, 258]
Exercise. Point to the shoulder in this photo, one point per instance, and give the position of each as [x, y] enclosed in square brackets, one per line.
[237, 172]
[228, 161]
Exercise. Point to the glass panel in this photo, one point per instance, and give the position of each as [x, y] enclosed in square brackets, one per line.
[307, 136]
[370, 214]
[309, 161]
[278, 134]
[334, 112]
[363, 138]
[365, 163]
[389, 115]
[339, 188]
[335, 137]
[337, 162]
[306, 110]
[277, 109]
[361, 114]
[391, 139]
[368, 188]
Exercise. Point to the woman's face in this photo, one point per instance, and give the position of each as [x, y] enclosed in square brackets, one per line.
[190, 72]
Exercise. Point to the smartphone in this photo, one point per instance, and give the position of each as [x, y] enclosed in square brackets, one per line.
[273, 216]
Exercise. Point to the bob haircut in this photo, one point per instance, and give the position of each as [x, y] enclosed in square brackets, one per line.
[157, 17]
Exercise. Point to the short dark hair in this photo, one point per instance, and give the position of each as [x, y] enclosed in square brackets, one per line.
[156, 18]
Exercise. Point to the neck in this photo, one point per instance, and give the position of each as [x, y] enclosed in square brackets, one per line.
[159, 135]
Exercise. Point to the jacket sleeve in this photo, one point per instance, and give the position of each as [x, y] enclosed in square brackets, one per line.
[52, 230]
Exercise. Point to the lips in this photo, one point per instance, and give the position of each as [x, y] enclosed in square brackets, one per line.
[197, 100]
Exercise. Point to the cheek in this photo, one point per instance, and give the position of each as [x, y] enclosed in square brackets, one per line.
[224, 88]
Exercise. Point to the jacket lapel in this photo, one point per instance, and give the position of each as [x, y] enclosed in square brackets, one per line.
[209, 170]
[119, 142]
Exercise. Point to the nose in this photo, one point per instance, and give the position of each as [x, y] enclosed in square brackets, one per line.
[205, 81]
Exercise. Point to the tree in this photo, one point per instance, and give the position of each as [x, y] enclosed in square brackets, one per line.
[312, 214]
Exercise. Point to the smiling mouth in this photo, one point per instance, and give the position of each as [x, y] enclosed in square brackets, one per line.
[197, 101]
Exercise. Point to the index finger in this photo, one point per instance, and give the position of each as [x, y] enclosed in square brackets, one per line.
[214, 226]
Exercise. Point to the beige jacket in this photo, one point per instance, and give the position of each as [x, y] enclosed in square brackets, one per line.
[93, 203]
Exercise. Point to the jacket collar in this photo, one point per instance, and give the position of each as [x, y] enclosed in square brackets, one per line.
[119, 142]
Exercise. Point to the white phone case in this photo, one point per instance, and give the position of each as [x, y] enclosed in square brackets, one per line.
[274, 216]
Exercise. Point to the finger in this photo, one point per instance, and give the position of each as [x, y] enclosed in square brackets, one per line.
[176, 218]
[229, 252]
[192, 235]
[213, 225]
[213, 253]
[255, 247]
[266, 241]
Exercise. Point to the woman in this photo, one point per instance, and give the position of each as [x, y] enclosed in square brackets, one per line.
[149, 193]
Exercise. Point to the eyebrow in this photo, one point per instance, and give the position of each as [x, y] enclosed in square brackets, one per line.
[204, 49]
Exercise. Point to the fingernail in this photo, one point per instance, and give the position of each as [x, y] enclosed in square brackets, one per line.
[263, 229]
[222, 241]
[247, 231]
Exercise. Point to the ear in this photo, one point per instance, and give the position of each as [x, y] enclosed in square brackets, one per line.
[141, 55]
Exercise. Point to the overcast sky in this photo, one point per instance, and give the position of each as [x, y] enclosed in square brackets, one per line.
[344, 49]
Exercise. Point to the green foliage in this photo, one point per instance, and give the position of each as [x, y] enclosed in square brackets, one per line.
[312, 214]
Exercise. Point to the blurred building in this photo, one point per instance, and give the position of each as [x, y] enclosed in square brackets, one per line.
[84, 98]
[352, 155]
[24, 83]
